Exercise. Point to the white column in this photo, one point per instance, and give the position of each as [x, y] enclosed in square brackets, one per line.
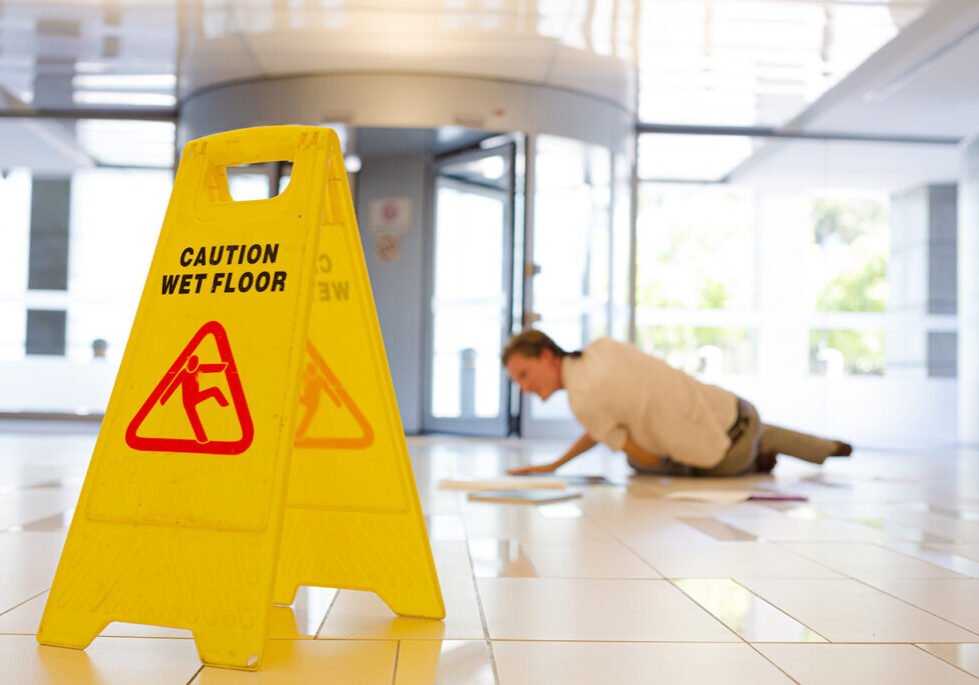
[907, 281]
[783, 224]
[968, 294]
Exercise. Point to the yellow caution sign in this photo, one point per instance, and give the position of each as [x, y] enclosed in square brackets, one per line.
[196, 499]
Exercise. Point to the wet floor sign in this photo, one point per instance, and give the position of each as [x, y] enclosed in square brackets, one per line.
[252, 443]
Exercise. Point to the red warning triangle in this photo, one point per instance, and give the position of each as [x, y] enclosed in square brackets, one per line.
[187, 381]
[318, 380]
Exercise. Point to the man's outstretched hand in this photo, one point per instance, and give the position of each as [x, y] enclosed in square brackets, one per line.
[543, 468]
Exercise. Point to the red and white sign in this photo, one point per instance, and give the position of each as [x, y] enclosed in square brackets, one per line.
[390, 215]
[201, 373]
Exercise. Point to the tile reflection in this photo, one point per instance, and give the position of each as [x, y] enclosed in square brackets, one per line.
[444, 662]
[445, 527]
[964, 656]
[906, 532]
[500, 559]
[803, 513]
[715, 528]
[305, 616]
[748, 615]
[560, 510]
[48, 524]
[44, 485]
[946, 560]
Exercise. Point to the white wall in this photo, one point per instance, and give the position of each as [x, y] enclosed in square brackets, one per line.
[866, 411]
[398, 285]
[56, 384]
[968, 255]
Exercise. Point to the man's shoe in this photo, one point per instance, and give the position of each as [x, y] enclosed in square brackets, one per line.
[842, 449]
[765, 462]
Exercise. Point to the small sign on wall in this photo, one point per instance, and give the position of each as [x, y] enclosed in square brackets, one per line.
[387, 247]
[388, 219]
[391, 215]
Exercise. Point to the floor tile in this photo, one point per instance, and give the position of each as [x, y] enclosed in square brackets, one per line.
[863, 664]
[23, 506]
[313, 662]
[716, 528]
[110, 661]
[49, 524]
[17, 585]
[651, 531]
[780, 528]
[587, 663]
[748, 615]
[445, 527]
[501, 559]
[947, 560]
[956, 600]
[303, 619]
[523, 522]
[849, 611]
[950, 529]
[965, 657]
[451, 558]
[967, 550]
[444, 662]
[862, 560]
[595, 610]
[361, 615]
[33, 550]
[730, 560]
[587, 559]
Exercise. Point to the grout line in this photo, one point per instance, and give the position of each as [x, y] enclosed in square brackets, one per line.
[397, 657]
[915, 606]
[669, 580]
[935, 656]
[765, 657]
[327, 614]
[847, 576]
[24, 602]
[479, 605]
[783, 611]
[196, 673]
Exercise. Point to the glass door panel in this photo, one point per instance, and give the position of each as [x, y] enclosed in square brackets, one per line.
[471, 292]
[569, 284]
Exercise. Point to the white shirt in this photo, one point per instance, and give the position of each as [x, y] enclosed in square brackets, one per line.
[616, 390]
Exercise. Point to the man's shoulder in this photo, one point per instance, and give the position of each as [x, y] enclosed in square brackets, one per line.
[611, 348]
[605, 343]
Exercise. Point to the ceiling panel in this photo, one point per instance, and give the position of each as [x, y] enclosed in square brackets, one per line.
[824, 164]
[753, 62]
[47, 146]
[924, 83]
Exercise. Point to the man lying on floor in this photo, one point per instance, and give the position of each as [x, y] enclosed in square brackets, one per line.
[665, 421]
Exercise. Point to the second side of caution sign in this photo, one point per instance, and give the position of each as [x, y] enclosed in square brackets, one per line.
[351, 487]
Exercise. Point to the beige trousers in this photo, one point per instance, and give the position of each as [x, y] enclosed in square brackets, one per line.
[749, 436]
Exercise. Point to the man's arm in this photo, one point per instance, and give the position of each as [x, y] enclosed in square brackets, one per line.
[639, 455]
[584, 443]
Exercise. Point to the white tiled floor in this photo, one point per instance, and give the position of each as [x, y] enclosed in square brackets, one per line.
[874, 580]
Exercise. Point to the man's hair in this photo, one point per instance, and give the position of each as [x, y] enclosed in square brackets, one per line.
[531, 343]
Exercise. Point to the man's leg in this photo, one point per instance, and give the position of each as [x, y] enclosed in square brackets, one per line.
[801, 445]
[666, 467]
[745, 438]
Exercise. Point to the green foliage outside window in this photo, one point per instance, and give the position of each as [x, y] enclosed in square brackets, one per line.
[850, 245]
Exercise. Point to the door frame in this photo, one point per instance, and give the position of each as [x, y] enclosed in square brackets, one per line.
[497, 426]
